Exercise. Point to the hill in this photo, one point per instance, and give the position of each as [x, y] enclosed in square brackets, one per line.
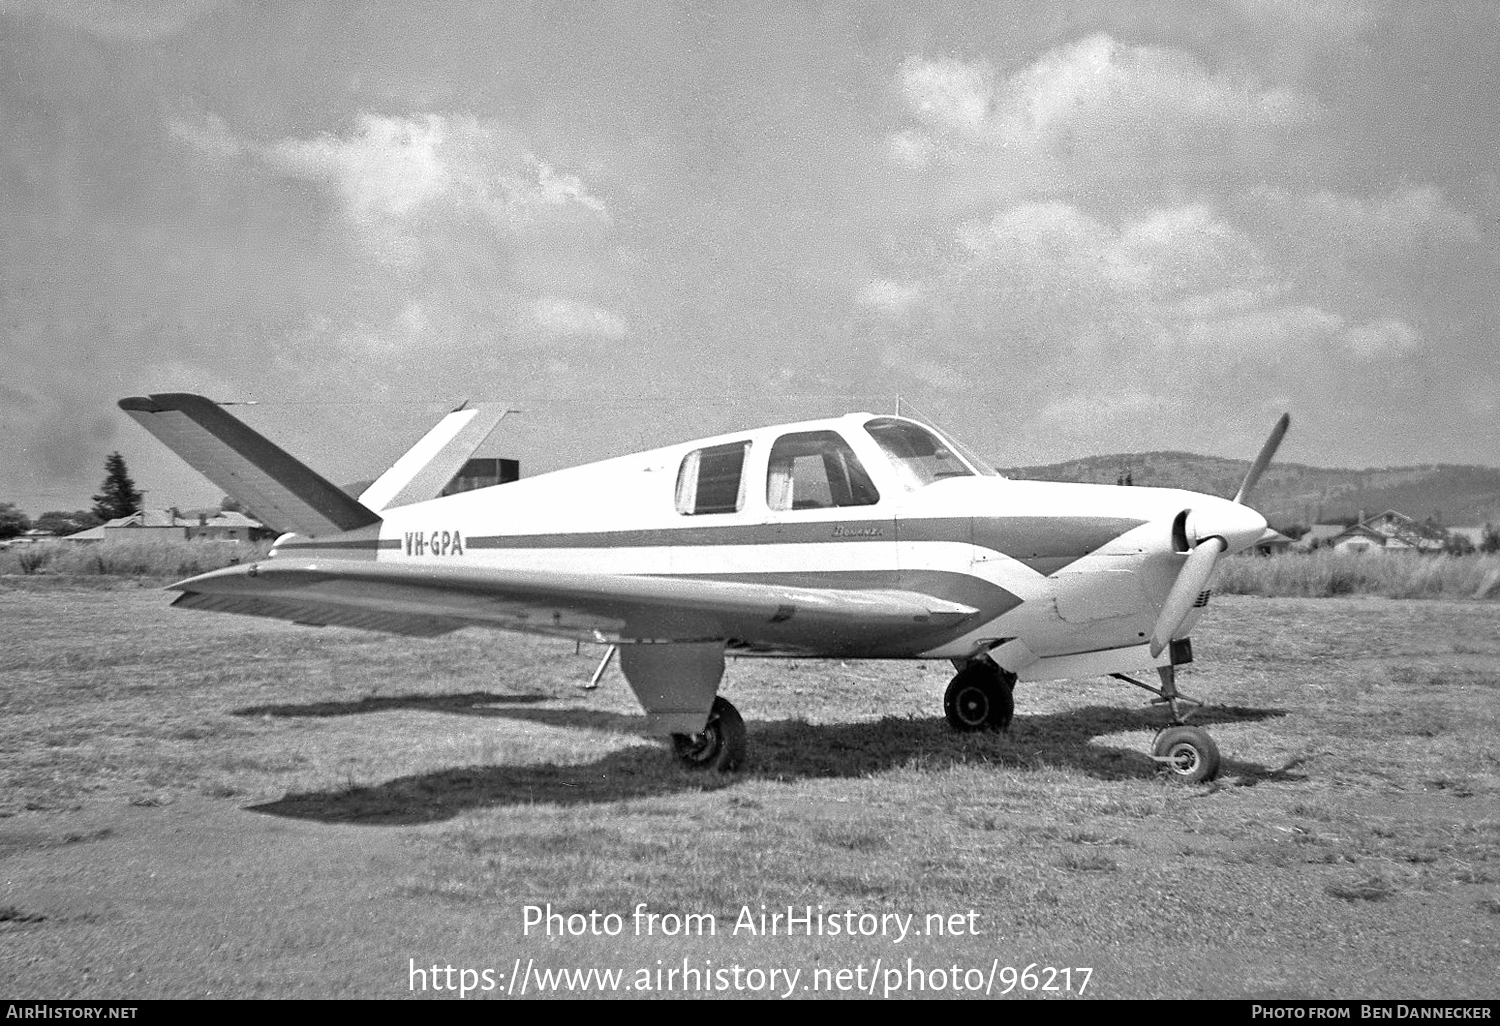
[1293, 493]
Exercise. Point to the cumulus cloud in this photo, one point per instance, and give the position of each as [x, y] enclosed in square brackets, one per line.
[468, 232]
[1093, 107]
[890, 297]
[1384, 337]
[401, 167]
[1177, 294]
[950, 96]
[393, 172]
[208, 135]
[1190, 249]
[566, 317]
[1310, 23]
[140, 21]
[1395, 219]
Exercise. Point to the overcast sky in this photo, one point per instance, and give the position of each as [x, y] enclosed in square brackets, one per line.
[1056, 229]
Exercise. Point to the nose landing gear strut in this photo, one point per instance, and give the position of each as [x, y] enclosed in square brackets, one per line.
[1188, 754]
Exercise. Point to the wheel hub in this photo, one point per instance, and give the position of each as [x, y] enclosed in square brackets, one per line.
[1182, 758]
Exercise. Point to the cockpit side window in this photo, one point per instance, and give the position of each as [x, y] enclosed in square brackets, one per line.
[918, 456]
[712, 480]
[816, 470]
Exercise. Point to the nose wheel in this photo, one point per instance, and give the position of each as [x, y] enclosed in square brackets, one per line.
[1188, 754]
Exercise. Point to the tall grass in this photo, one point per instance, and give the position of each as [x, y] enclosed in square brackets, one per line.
[156, 557]
[1326, 573]
[1319, 574]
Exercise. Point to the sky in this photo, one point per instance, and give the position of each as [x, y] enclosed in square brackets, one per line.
[1053, 230]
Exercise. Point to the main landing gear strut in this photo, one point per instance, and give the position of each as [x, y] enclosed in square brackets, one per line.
[1187, 753]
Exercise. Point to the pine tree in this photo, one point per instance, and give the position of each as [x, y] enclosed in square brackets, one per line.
[119, 497]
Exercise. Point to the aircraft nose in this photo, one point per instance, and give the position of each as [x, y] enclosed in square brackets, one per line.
[1239, 526]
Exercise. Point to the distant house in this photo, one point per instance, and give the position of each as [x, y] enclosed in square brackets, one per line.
[162, 523]
[93, 534]
[1273, 541]
[31, 537]
[1390, 531]
[225, 526]
[1319, 535]
[1358, 538]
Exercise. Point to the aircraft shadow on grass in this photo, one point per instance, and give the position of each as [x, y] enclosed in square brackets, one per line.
[786, 751]
[471, 702]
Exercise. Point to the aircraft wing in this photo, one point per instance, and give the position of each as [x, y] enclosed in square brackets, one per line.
[431, 600]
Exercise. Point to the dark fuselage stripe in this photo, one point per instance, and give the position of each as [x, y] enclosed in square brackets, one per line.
[1019, 537]
[1046, 544]
[354, 544]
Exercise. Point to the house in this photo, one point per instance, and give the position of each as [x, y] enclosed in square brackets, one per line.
[225, 526]
[31, 537]
[162, 523]
[1358, 538]
[1272, 541]
[1390, 531]
[1319, 535]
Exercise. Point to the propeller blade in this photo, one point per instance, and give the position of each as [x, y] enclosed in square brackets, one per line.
[1267, 452]
[1191, 582]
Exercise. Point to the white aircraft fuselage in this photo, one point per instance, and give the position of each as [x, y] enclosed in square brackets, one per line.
[1078, 572]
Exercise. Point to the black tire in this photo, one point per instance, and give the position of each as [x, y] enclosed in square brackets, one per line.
[1187, 754]
[979, 698]
[721, 744]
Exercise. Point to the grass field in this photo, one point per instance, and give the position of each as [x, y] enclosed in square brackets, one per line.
[194, 805]
[1326, 573]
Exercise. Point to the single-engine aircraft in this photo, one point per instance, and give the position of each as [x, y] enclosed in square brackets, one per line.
[857, 537]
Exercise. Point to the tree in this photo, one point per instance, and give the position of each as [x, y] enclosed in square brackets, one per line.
[119, 497]
[1457, 544]
[1489, 544]
[60, 522]
[12, 520]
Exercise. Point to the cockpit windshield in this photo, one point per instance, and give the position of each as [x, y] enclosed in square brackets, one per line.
[918, 456]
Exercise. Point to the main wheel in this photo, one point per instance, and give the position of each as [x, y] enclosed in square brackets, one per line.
[720, 746]
[1187, 753]
[978, 699]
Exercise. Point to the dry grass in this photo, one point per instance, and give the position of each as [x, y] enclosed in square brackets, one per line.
[1325, 574]
[1351, 847]
[153, 558]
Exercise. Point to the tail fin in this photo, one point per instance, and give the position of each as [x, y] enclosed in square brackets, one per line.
[430, 464]
[284, 493]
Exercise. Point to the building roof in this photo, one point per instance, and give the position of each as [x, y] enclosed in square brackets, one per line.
[92, 534]
[232, 518]
[164, 518]
[1395, 530]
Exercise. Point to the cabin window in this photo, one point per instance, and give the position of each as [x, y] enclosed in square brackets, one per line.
[816, 470]
[918, 456]
[712, 480]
